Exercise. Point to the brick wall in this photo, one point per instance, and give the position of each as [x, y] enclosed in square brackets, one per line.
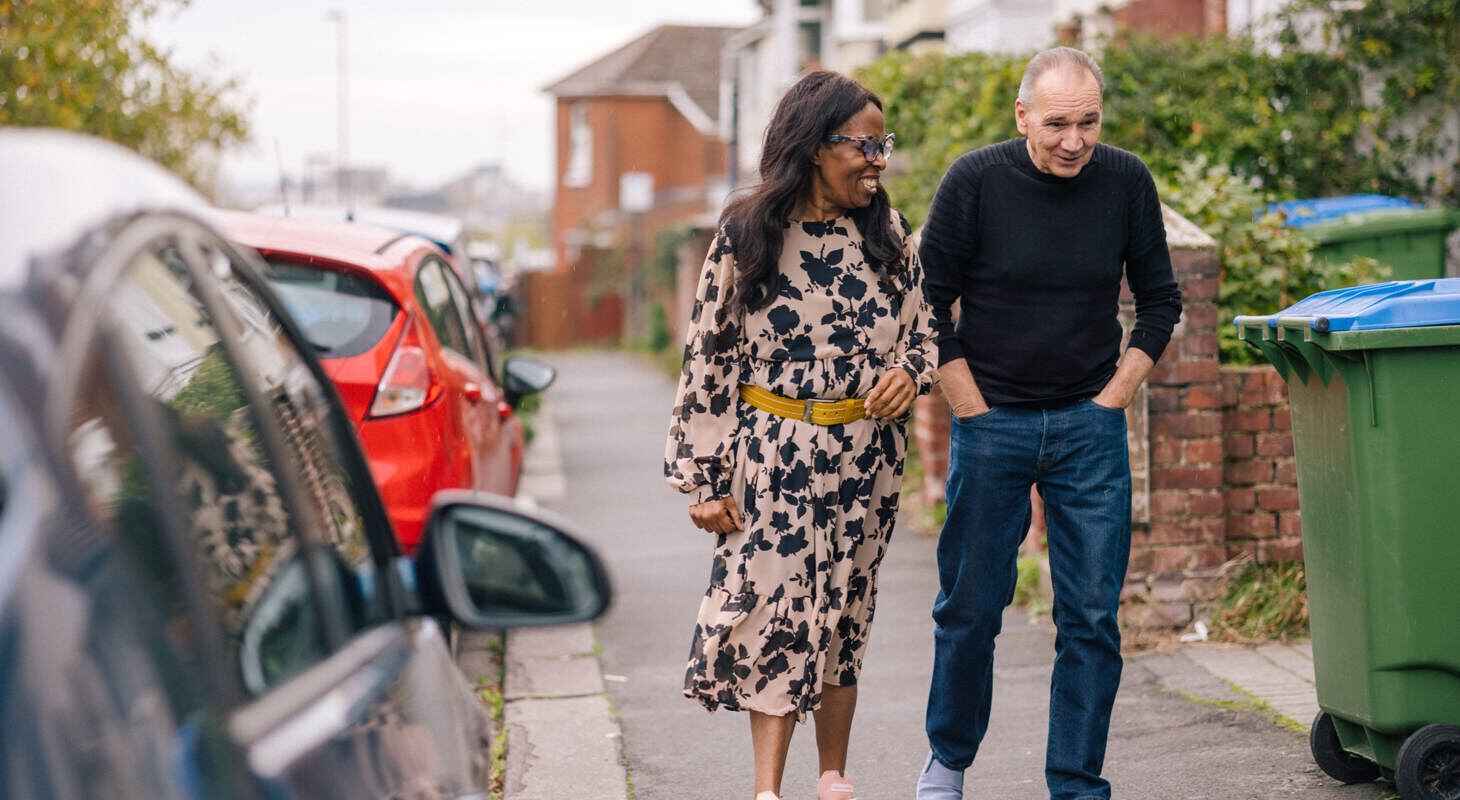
[1260, 475]
[1175, 557]
[932, 421]
[1170, 18]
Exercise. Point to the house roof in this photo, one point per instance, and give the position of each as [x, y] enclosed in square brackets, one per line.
[680, 62]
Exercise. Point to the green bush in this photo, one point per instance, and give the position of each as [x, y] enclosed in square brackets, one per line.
[1294, 122]
[1263, 602]
[1266, 265]
[941, 107]
[658, 338]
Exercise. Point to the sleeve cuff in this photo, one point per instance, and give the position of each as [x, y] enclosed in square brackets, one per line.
[949, 350]
[1145, 344]
[708, 492]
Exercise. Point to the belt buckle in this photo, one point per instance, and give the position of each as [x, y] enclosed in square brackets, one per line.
[808, 411]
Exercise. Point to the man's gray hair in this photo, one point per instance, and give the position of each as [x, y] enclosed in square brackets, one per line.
[1057, 58]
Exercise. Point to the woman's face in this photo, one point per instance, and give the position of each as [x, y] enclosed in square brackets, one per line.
[844, 177]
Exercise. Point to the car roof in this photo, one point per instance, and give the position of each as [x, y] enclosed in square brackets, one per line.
[362, 245]
[55, 186]
[441, 229]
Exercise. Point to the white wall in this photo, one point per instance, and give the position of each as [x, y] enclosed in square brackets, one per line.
[765, 62]
[1243, 13]
[1000, 26]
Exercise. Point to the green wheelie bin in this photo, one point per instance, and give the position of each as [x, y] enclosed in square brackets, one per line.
[1407, 237]
[1373, 375]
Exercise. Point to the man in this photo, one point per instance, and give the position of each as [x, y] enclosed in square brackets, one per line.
[1032, 237]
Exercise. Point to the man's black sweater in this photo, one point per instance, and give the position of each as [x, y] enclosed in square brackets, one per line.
[1037, 261]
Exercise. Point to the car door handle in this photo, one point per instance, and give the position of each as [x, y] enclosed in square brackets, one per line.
[473, 392]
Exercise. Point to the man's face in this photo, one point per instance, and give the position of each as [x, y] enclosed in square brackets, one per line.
[1063, 121]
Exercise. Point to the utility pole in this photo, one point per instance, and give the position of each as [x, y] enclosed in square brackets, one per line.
[343, 187]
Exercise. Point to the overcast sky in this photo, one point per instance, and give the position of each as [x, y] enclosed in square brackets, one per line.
[436, 86]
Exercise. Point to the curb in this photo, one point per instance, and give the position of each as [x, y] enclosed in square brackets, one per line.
[563, 737]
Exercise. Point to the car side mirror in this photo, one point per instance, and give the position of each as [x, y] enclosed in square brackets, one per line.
[522, 376]
[488, 563]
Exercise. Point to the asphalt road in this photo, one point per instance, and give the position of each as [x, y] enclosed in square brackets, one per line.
[612, 413]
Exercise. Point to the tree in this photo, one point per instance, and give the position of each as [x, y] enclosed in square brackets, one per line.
[1407, 49]
[84, 65]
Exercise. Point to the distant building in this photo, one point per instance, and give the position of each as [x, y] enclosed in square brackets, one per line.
[484, 197]
[1024, 26]
[1001, 26]
[638, 139]
[762, 61]
[918, 26]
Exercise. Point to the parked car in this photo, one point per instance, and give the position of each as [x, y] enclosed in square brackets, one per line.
[395, 331]
[443, 230]
[201, 594]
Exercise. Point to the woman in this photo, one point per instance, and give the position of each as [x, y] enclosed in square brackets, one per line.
[812, 290]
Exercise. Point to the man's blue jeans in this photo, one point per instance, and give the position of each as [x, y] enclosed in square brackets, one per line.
[1077, 455]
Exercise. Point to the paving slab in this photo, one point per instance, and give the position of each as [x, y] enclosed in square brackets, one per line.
[551, 641]
[552, 677]
[1275, 683]
[564, 748]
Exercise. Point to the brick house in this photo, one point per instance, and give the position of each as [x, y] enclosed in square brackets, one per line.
[638, 149]
[1022, 26]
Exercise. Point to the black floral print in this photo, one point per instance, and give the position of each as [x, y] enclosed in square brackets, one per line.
[791, 597]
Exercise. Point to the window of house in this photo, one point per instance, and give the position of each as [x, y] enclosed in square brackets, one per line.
[579, 172]
[810, 43]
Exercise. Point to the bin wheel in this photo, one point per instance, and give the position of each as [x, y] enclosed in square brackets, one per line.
[1428, 767]
[1336, 762]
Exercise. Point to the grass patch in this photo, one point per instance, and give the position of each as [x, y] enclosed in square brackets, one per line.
[489, 692]
[1249, 704]
[923, 517]
[1026, 587]
[1263, 602]
[498, 789]
[939, 513]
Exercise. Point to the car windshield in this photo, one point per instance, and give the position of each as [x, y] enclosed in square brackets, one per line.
[341, 314]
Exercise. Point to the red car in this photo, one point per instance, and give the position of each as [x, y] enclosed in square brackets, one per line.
[397, 335]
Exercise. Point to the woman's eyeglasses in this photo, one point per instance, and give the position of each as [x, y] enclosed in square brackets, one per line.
[871, 146]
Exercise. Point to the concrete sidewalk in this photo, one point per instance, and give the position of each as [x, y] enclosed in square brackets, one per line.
[1198, 721]
[1279, 676]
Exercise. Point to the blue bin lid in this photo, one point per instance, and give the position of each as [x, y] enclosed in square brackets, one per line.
[1379, 306]
[1302, 213]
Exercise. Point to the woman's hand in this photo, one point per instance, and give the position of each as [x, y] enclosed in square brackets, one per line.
[717, 516]
[893, 395]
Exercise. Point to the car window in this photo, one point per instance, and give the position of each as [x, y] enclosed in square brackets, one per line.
[341, 314]
[434, 294]
[92, 680]
[223, 486]
[473, 329]
[312, 426]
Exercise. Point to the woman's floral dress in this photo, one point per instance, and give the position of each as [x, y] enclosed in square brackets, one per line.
[791, 596]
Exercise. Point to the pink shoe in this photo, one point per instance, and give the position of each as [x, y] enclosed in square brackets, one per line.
[834, 786]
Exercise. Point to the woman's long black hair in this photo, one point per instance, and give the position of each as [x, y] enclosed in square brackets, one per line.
[813, 109]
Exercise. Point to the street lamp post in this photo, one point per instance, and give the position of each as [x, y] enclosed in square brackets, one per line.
[343, 187]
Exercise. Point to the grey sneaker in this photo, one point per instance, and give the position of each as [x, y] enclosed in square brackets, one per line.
[938, 782]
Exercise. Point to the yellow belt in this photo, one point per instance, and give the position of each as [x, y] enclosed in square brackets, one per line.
[817, 412]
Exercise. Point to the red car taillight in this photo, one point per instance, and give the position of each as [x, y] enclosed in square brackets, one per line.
[407, 383]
